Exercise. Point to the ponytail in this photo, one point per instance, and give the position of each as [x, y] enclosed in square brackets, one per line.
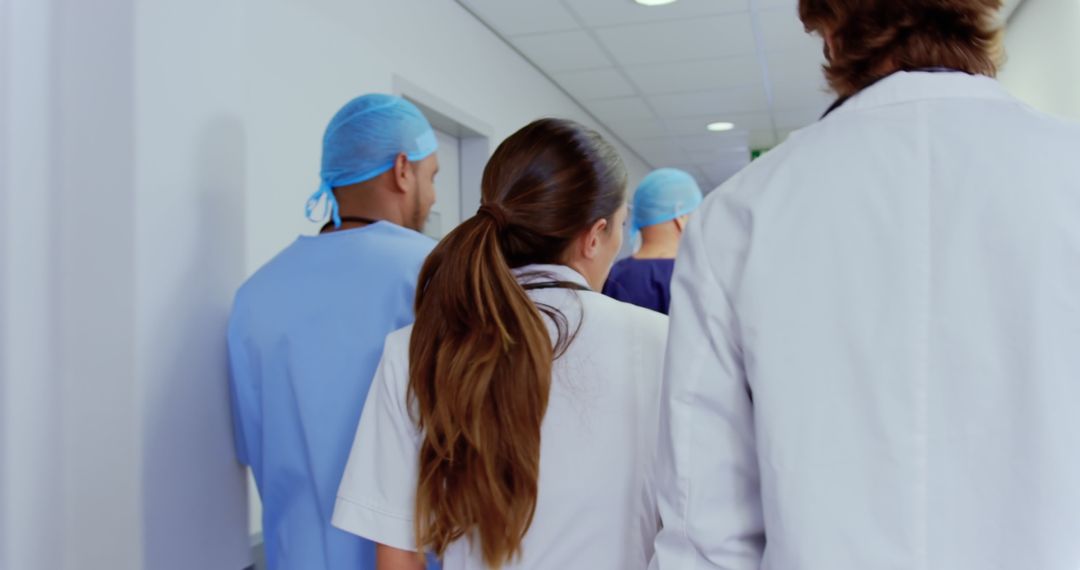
[480, 357]
[479, 378]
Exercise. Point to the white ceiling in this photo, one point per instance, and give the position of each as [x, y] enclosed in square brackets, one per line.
[656, 76]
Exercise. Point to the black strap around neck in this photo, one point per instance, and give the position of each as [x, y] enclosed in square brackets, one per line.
[354, 219]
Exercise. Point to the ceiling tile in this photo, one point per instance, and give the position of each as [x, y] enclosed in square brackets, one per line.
[710, 103]
[804, 66]
[680, 40]
[640, 129]
[734, 157]
[613, 111]
[619, 12]
[659, 151]
[703, 75]
[720, 171]
[797, 118]
[763, 139]
[595, 83]
[781, 31]
[511, 18]
[562, 51]
[796, 95]
[712, 156]
[714, 142]
[798, 80]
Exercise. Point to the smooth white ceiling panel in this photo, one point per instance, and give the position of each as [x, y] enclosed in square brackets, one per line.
[595, 83]
[782, 31]
[797, 118]
[514, 17]
[714, 142]
[605, 13]
[660, 152]
[680, 40]
[803, 66]
[622, 109]
[563, 51]
[763, 139]
[712, 103]
[789, 95]
[703, 75]
[640, 128]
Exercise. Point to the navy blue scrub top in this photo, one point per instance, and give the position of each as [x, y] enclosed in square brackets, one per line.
[642, 282]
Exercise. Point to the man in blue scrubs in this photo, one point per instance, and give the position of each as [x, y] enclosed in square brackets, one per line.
[307, 329]
[662, 205]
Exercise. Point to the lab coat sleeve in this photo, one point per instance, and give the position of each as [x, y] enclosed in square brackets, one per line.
[707, 476]
[244, 392]
[378, 490]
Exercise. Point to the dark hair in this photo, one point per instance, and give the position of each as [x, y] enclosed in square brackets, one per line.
[480, 356]
[871, 38]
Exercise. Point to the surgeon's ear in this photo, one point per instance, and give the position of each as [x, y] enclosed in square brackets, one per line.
[404, 177]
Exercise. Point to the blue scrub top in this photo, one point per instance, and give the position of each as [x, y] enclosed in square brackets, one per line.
[642, 282]
[305, 337]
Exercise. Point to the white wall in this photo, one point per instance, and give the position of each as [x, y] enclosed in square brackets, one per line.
[91, 217]
[1043, 48]
[191, 135]
[70, 424]
[32, 482]
[122, 187]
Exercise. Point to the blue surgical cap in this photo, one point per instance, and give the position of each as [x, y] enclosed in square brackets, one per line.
[363, 140]
[662, 196]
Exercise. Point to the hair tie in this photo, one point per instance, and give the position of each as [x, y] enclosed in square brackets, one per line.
[497, 214]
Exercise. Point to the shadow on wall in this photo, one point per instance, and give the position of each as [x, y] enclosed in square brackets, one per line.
[186, 415]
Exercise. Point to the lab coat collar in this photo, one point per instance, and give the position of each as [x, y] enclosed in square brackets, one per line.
[908, 86]
[541, 272]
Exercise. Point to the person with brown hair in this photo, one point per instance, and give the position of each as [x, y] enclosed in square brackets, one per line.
[514, 425]
[875, 329]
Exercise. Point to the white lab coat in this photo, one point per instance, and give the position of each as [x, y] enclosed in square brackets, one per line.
[874, 359]
[596, 507]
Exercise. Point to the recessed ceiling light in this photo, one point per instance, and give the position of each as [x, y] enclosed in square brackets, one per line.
[654, 2]
[720, 127]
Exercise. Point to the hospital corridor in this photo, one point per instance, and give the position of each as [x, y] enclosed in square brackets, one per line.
[540, 284]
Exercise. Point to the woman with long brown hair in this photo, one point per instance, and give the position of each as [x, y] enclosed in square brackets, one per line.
[513, 425]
